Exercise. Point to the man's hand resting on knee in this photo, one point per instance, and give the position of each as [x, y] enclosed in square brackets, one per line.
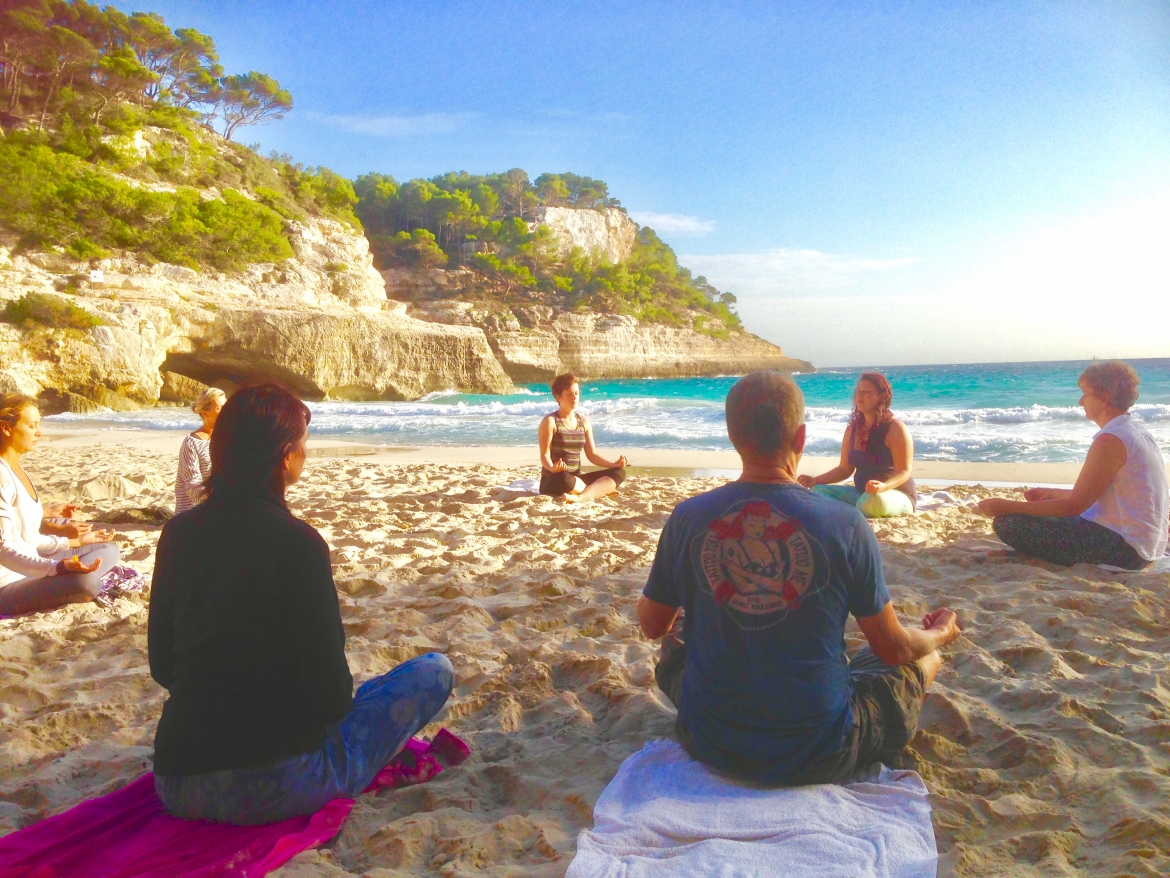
[896, 645]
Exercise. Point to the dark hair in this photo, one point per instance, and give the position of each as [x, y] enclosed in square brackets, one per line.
[764, 411]
[562, 383]
[258, 426]
[1114, 380]
[886, 397]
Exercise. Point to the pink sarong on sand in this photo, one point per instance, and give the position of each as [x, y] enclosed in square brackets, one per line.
[128, 834]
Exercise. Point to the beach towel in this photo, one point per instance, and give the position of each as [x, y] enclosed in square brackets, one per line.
[524, 486]
[666, 815]
[1161, 565]
[127, 834]
[119, 579]
[928, 500]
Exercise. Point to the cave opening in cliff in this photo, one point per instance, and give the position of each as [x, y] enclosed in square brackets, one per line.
[228, 368]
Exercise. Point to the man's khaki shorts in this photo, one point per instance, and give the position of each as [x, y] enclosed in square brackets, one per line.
[886, 704]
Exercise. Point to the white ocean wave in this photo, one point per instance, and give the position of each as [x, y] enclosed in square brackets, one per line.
[1019, 433]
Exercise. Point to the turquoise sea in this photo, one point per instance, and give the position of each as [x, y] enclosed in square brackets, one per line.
[983, 412]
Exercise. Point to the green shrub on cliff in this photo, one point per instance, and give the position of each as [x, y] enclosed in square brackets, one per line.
[55, 198]
[82, 84]
[415, 249]
[41, 309]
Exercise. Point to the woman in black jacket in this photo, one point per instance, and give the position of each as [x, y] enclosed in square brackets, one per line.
[245, 633]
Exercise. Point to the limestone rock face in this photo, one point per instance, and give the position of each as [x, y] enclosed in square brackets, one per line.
[320, 322]
[529, 356]
[179, 388]
[422, 284]
[608, 232]
[343, 356]
[599, 346]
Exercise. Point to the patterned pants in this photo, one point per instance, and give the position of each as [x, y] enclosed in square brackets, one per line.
[386, 712]
[1067, 541]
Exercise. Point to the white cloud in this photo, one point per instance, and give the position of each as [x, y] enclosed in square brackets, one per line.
[673, 223]
[789, 272]
[394, 126]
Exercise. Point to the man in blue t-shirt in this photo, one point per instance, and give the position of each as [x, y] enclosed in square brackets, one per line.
[766, 574]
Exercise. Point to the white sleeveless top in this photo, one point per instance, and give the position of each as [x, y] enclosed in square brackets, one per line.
[1137, 502]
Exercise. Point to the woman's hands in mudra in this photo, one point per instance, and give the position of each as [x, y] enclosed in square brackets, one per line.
[993, 506]
[89, 537]
[874, 486]
[73, 529]
[75, 565]
[559, 466]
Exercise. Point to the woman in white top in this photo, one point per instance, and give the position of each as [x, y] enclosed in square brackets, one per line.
[42, 565]
[195, 452]
[1117, 511]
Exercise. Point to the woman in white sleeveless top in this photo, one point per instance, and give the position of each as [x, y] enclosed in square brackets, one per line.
[195, 452]
[1117, 511]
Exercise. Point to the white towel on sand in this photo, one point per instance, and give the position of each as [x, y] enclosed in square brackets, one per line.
[666, 815]
[524, 486]
[1161, 565]
[928, 500]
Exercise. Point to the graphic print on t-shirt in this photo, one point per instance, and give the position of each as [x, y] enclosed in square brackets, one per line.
[759, 564]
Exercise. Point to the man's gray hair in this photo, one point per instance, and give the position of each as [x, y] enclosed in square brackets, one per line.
[205, 399]
[764, 411]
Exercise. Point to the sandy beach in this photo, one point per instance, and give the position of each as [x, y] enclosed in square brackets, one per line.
[1045, 744]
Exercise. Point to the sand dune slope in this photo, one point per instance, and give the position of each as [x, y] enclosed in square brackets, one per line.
[1046, 743]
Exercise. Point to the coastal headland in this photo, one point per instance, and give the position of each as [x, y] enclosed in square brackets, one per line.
[338, 289]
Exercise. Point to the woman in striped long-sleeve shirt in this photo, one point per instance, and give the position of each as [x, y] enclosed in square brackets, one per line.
[195, 452]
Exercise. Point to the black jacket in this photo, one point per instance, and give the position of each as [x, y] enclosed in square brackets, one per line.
[245, 632]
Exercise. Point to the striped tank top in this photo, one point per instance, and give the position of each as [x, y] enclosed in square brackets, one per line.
[567, 444]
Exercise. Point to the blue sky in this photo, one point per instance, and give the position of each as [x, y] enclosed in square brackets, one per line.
[879, 183]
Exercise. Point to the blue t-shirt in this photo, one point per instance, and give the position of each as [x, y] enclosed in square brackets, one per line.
[768, 575]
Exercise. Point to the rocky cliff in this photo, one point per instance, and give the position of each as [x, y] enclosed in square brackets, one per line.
[605, 346]
[320, 322]
[608, 232]
[534, 343]
[326, 324]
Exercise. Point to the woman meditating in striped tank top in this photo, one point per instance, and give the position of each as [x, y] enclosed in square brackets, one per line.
[563, 436]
